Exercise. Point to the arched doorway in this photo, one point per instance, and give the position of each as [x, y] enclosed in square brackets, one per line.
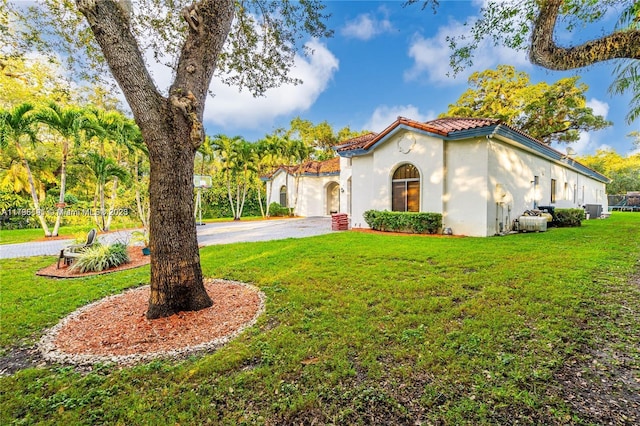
[333, 198]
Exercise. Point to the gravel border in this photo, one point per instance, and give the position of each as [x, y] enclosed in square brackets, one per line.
[51, 354]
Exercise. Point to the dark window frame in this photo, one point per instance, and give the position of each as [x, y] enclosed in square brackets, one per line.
[406, 188]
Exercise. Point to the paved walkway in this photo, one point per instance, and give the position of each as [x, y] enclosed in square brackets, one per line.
[208, 234]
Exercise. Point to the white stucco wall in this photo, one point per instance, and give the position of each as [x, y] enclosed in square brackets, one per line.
[467, 191]
[308, 195]
[479, 185]
[273, 187]
[346, 196]
[372, 174]
[512, 172]
[313, 197]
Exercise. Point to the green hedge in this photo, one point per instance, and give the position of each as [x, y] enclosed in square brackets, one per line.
[419, 223]
[569, 217]
[275, 209]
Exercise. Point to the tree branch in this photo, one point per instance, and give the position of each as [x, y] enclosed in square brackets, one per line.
[209, 24]
[109, 23]
[546, 53]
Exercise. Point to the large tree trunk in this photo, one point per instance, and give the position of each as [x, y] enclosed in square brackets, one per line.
[175, 260]
[172, 130]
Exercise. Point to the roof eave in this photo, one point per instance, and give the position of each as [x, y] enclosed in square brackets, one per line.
[548, 152]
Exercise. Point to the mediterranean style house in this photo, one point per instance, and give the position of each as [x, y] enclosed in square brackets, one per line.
[480, 174]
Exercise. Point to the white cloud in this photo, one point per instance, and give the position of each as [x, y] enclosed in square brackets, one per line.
[589, 142]
[231, 108]
[598, 107]
[384, 115]
[365, 27]
[431, 55]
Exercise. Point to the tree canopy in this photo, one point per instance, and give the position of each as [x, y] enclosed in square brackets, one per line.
[533, 26]
[624, 172]
[320, 138]
[555, 112]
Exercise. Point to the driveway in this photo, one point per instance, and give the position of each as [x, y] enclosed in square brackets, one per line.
[208, 234]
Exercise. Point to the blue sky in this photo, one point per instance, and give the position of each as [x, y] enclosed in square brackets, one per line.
[387, 60]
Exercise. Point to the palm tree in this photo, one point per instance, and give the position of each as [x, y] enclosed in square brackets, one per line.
[206, 151]
[245, 158]
[296, 152]
[16, 125]
[103, 170]
[124, 134]
[224, 147]
[71, 124]
[272, 154]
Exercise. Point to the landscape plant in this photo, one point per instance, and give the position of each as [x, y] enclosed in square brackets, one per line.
[569, 217]
[414, 222]
[100, 257]
[276, 210]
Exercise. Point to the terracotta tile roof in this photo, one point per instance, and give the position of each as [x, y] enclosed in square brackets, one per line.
[357, 142]
[440, 126]
[330, 166]
[447, 125]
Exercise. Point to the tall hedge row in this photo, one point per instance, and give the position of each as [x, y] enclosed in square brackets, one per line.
[417, 223]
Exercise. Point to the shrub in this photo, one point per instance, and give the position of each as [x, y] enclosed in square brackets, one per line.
[276, 209]
[98, 258]
[419, 223]
[569, 217]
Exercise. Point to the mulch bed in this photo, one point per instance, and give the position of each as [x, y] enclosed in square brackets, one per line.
[128, 337]
[136, 259]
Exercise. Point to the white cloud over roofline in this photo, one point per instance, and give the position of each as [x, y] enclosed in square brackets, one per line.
[384, 115]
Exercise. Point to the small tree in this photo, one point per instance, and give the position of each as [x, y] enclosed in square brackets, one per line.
[16, 125]
[103, 170]
[238, 158]
[70, 124]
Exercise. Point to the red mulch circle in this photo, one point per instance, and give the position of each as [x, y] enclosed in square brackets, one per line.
[116, 329]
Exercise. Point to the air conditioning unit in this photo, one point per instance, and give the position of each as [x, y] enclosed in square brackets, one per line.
[532, 223]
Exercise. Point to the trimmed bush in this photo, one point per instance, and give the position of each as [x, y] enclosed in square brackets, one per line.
[276, 209]
[99, 258]
[569, 217]
[418, 223]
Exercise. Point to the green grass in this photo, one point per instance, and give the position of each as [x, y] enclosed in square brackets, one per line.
[401, 329]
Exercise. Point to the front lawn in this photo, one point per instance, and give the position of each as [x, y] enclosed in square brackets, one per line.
[359, 329]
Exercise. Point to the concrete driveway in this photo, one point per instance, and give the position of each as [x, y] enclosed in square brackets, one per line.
[208, 234]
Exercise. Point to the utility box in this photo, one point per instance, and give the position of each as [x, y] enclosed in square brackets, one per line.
[593, 210]
[532, 223]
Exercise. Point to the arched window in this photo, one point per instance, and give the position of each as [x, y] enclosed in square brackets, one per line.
[405, 189]
[283, 196]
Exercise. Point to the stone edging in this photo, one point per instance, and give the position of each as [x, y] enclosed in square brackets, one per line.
[50, 352]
